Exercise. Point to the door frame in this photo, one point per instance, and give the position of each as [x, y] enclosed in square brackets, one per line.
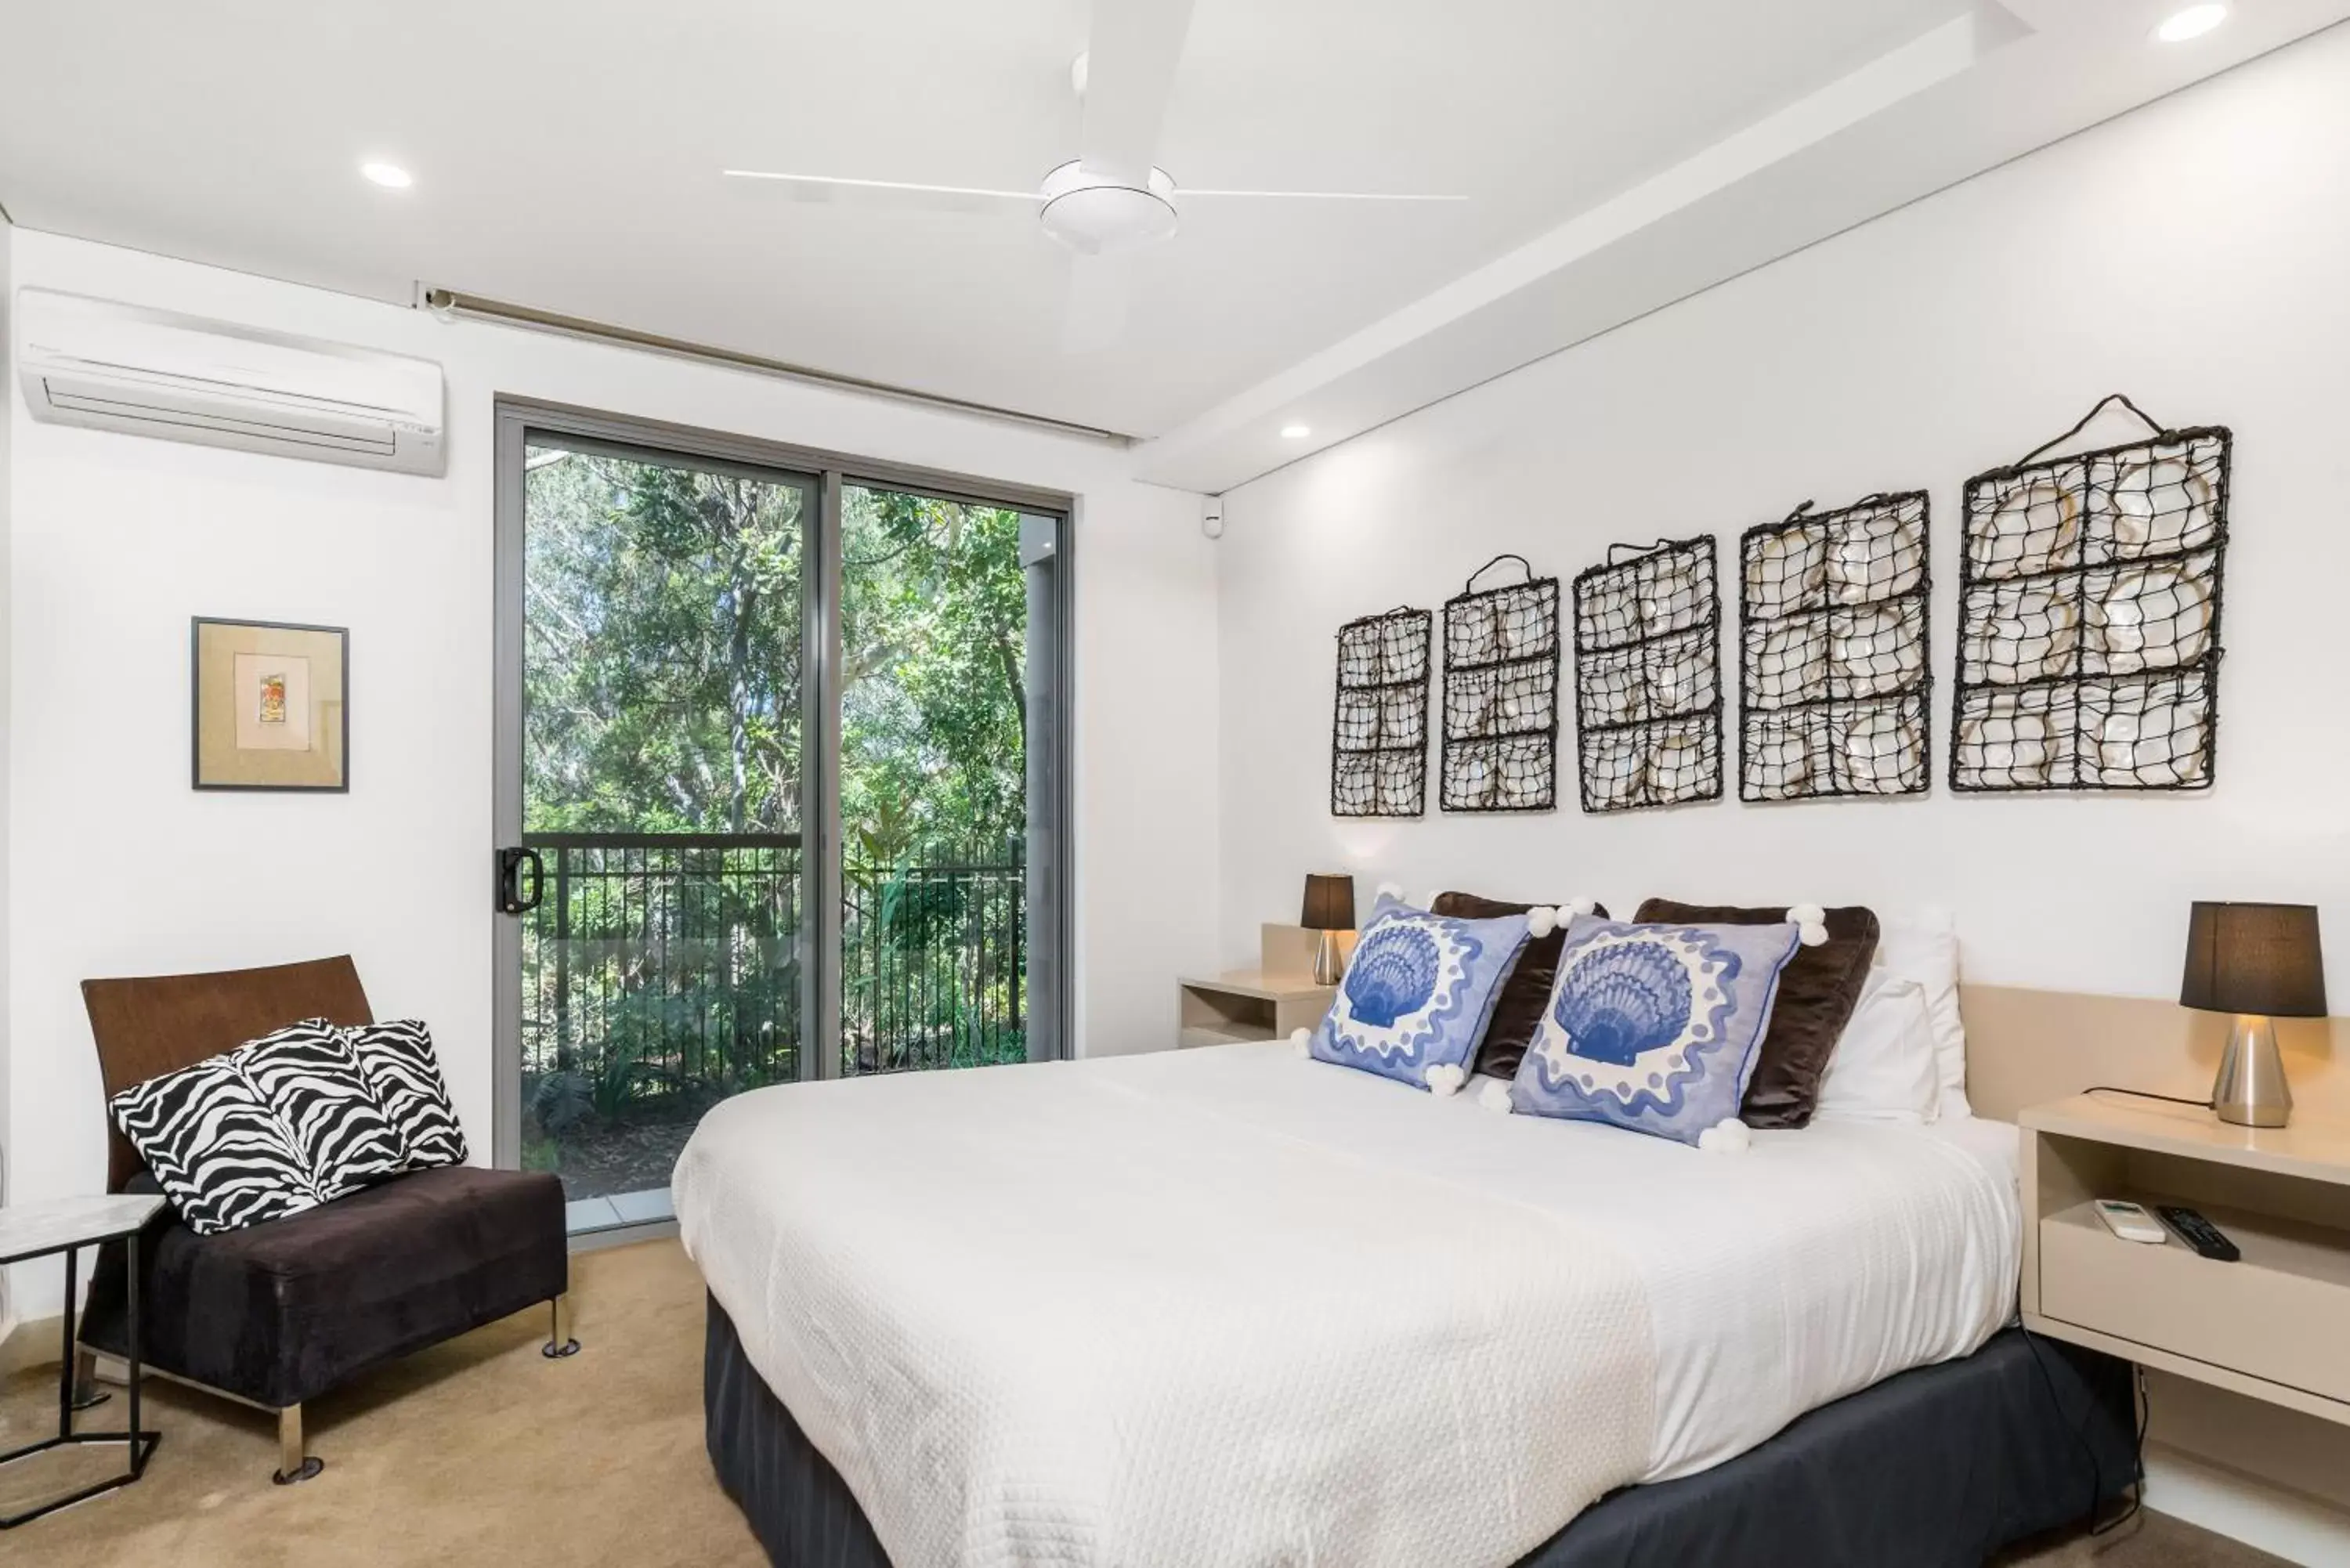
[1051, 932]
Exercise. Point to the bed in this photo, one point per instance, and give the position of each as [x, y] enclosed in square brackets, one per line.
[1232, 1305]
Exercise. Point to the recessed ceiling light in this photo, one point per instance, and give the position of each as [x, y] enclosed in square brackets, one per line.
[389, 175]
[1295, 432]
[2192, 23]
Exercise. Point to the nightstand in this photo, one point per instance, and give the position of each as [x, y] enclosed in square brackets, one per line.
[2270, 1326]
[1266, 1002]
[1249, 1004]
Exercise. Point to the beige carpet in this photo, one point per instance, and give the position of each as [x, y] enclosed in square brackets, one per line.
[484, 1452]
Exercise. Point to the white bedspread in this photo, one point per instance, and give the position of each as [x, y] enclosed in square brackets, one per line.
[1232, 1306]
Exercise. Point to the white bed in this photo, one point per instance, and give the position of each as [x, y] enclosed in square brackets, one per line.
[1235, 1306]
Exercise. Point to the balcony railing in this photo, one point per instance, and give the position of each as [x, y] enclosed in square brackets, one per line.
[661, 973]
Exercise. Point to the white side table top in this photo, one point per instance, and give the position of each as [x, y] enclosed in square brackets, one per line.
[30, 1230]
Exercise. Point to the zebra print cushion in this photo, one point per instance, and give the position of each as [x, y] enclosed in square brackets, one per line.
[309, 1076]
[398, 1061]
[276, 1127]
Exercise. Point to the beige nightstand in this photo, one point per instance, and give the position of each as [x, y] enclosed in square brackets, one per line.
[1263, 1003]
[1249, 1004]
[2275, 1325]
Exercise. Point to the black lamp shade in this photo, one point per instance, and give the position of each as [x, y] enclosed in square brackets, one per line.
[2256, 958]
[1329, 904]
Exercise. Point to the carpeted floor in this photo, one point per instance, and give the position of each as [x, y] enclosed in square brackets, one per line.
[484, 1452]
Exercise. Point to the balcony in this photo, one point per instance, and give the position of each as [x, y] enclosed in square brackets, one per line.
[662, 973]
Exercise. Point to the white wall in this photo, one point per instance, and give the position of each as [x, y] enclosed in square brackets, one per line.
[8, 1307]
[2192, 253]
[120, 868]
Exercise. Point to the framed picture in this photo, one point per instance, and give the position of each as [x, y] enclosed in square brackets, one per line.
[270, 705]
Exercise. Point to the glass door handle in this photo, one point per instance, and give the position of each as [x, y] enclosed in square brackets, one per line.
[511, 862]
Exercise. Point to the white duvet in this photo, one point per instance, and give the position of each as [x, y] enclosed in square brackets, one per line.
[1235, 1307]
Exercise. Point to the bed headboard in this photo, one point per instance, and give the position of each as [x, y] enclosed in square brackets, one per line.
[2027, 1046]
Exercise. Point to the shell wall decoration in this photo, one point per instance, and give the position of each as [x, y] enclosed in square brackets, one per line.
[1378, 736]
[1647, 684]
[1501, 694]
[2089, 593]
[1832, 674]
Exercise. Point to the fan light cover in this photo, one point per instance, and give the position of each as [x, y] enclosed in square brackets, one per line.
[1095, 214]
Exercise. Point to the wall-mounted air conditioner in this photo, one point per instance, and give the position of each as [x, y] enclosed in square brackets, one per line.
[180, 378]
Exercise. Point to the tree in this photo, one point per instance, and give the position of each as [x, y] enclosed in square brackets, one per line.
[662, 678]
[934, 649]
[662, 649]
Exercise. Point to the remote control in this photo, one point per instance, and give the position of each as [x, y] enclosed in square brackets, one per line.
[2200, 1233]
[2130, 1221]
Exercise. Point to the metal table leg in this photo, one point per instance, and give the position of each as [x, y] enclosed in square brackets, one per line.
[139, 1445]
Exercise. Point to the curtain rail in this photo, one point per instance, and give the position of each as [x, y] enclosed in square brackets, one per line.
[448, 302]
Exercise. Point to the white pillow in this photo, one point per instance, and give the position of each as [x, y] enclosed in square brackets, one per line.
[1885, 1068]
[1924, 947]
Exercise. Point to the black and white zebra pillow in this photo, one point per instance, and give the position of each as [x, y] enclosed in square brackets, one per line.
[276, 1127]
[222, 1157]
[309, 1076]
[398, 1061]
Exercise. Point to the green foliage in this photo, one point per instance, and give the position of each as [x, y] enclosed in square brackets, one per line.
[662, 677]
[934, 617]
[661, 666]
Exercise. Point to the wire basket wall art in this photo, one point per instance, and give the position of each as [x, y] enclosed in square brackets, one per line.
[1647, 686]
[1378, 738]
[1833, 670]
[2089, 597]
[1501, 694]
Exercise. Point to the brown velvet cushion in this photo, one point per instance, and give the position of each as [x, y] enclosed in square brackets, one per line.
[155, 1025]
[1518, 1011]
[1817, 991]
[281, 1312]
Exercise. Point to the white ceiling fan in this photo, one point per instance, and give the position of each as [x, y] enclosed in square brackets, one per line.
[1111, 200]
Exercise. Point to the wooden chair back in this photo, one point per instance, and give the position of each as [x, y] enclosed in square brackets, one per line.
[149, 1026]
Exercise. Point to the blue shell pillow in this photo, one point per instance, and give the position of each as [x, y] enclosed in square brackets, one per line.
[1653, 1028]
[1418, 992]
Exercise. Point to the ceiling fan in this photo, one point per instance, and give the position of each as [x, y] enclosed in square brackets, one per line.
[1111, 200]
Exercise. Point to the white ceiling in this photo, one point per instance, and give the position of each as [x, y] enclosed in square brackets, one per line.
[567, 155]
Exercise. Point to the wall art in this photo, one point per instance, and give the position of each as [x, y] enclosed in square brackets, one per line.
[1647, 684]
[1378, 736]
[1501, 694]
[269, 705]
[2089, 595]
[1832, 672]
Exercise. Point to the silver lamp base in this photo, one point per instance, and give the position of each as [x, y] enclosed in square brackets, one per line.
[2251, 1090]
[1328, 965]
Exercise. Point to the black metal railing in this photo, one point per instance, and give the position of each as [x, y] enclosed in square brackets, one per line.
[666, 967]
[933, 966]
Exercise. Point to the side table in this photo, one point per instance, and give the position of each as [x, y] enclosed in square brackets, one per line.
[36, 1230]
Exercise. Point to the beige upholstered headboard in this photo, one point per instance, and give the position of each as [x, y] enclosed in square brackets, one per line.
[2027, 1046]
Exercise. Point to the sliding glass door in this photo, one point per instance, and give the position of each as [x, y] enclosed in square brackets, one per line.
[778, 791]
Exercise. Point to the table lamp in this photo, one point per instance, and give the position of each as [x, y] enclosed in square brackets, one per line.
[2257, 962]
[1329, 910]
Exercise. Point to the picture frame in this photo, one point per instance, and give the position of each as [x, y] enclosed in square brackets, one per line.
[268, 706]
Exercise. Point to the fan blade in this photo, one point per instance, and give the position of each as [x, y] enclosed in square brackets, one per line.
[1131, 60]
[895, 194]
[1094, 318]
[1185, 191]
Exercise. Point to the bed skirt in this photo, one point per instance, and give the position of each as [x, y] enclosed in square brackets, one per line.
[1940, 1465]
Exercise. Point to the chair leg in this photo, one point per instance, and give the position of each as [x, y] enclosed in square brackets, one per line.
[87, 1392]
[293, 1464]
[559, 1342]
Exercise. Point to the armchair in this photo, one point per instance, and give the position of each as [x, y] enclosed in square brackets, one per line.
[278, 1313]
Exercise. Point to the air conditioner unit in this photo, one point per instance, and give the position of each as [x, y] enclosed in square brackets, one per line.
[155, 373]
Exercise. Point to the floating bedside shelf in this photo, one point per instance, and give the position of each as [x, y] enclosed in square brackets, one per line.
[1263, 1003]
[2270, 1326]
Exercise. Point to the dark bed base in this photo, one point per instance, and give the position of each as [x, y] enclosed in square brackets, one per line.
[1942, 1466]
